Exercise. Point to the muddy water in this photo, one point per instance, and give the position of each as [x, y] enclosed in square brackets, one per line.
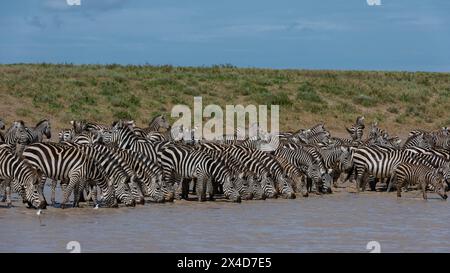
[342, 222]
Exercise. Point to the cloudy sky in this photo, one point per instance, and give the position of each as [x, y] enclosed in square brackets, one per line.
[322, 34]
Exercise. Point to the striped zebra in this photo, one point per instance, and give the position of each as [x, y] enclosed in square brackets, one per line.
[15, 133]
[338, 160]
[66, 135]
[407, 173]
[156, 124]
[282, 182]
[263, 175]
[298, 178]
[417, 140]
[381, 162]
[87, 138]
[124, 138]
[2, 127]
[357, 129]
[36, 134]
[114, 167]
[149, 173]
[376, 132]
[246, 182]
[324, 182]
[72, 167]
[316, 138]
[21, 177]
[185, 163]
[308, 165]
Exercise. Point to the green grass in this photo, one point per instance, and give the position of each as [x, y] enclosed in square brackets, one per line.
[399, 100]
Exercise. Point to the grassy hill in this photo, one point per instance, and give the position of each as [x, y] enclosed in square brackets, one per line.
[398, 100]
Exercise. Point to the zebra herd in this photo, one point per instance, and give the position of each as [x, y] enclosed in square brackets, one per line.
[124, 164]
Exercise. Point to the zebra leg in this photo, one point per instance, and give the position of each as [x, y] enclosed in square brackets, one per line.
[424, 186]
[87, 194]
[178, 190]
[210, 189]
[192, 185]
[309, 184]
[53, 193]
[185, 188]
[399, 188]
[3, 189]
[391, 182]
[76, 195]
[359, 178]
[93, 195]
[67, 189]
[201, 189]
[8, 194]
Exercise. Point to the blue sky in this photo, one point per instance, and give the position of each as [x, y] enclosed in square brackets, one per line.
[409, 35]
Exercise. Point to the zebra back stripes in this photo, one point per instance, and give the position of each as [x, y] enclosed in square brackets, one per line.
[25, 180]
[407, 173]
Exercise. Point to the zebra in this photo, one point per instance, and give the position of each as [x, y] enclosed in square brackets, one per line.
[375, 131]
[307, 164]
[156, 123]
[2, 127]
[297, 176]
[114, 167]
[324, 183]
[15, 133]
[407, 173]
[246, 183]
[195, 164]
[124, 138]
[316, 138]
[357, 130]
[87, 138]
[417, 140]
[37, 133]
[70, 166]
[22, 177]
[66, 135]
[281, 180]
[381, 162]
[262, 173]
[337, 159]
[146, 171]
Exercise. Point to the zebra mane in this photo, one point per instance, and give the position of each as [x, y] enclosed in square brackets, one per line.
[41, 122]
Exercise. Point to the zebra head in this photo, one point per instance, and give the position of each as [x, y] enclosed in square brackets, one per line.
[360, 121]
[78, 125]
[33, 194]
[440, 185]
[285, 187]
[445, 169]
[268, 185]
[155, 191]
[160, 121]
[255, 186]
[241, 183]
[44, 127]
[66, 135]
[229, 190]
[123, 193]
[326, 182]
[345, 159]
